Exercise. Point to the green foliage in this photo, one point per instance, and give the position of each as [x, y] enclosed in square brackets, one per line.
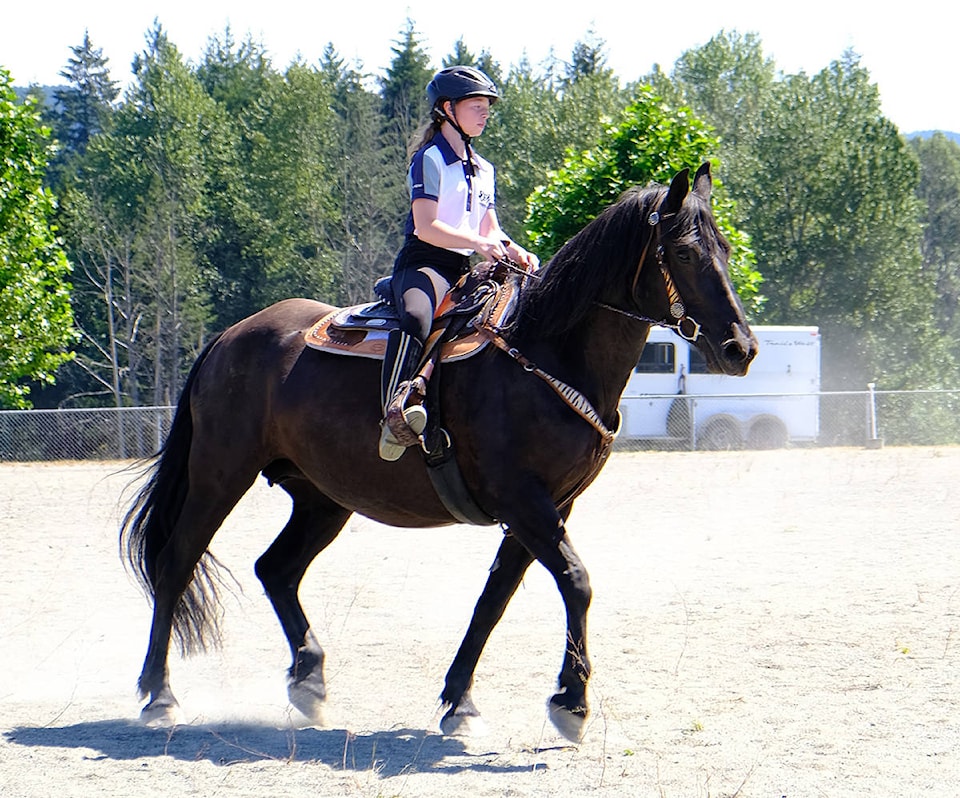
[835, 220]
[827, 190]
[36, 321]
[939, 191]
[208, 192]
[537, 123]
[648, 143]
[402, 89]
[85, 104]
[367, 183]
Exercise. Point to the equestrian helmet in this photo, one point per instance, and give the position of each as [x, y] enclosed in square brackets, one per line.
[459, 82]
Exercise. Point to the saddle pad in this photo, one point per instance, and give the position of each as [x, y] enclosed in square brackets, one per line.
[327, 336]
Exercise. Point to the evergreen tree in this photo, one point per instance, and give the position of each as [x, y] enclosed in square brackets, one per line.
[588, 59]
[238, 77]
[939, 191]
[370, 188]
[86, 103]
[292, 168]
[403, 89]
[138, 219]
[543, 118]
[83, 107]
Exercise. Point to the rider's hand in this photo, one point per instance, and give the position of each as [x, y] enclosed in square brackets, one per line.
[491, 249]
[528, 260]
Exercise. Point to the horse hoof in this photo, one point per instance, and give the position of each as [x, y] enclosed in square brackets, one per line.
[464, 725]
[570, 723]
[161, 714]
[307, 698]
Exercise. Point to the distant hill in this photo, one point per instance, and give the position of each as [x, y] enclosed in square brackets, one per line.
[45, 93]
[925, 134]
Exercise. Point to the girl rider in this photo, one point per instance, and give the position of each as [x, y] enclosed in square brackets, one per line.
[452, 215]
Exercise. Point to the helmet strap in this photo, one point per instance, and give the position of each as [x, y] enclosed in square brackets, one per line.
[452, 119]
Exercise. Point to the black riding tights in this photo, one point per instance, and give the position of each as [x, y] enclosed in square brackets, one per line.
[416, 293]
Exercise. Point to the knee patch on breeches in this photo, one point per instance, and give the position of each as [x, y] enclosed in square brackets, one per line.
[411, 279]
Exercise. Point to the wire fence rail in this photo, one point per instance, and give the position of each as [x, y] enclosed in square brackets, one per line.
[854, 418]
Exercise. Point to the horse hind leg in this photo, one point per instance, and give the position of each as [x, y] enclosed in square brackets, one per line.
[184, 585]
[314, 523]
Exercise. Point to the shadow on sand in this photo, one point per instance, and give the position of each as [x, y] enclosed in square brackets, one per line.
[390, 753]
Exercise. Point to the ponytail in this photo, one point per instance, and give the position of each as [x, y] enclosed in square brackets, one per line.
[429, 131]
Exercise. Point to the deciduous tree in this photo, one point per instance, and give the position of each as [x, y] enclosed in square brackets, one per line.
[36, 323]
[648, 143]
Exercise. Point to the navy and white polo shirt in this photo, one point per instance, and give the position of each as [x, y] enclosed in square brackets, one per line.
[438, 173]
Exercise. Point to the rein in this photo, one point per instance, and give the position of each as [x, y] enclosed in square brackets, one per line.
[575, 400]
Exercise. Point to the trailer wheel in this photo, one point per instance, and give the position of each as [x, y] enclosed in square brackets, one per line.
[767, 432]
[720, 433]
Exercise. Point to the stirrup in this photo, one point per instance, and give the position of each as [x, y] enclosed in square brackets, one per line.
[390, 448]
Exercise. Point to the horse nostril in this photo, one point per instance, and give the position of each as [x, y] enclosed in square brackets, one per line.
[740, 347]
[735, 350]
[732, 350]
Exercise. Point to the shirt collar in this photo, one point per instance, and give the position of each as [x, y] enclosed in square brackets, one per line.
[448, 153]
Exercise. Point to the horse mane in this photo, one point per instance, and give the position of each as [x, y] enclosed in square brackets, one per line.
[597, 263]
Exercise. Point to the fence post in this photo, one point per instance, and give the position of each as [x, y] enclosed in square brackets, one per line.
[873, 442]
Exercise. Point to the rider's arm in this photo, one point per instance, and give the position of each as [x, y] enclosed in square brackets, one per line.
[430, 229]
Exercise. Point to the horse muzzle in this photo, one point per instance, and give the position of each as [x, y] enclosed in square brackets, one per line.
[737, 352]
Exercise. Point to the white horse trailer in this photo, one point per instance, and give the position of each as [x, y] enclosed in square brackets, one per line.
[671, 398]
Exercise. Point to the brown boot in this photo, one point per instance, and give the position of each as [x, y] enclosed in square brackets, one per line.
[399, 363]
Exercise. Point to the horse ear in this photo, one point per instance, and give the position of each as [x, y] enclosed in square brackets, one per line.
[679, 188]
[702, 182]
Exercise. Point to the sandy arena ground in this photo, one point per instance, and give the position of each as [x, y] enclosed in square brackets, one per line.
[764, 624]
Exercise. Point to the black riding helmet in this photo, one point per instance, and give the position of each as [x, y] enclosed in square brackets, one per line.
[457, 83]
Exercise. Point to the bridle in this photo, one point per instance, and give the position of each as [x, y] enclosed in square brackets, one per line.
[575, 400]
[682, 324]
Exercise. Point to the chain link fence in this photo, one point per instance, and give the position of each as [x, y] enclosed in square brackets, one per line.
[769, 421]
[83, 434]
[856, 418]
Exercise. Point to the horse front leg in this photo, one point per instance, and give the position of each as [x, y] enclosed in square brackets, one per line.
[568, 707]
[550, 545]
[462, 716]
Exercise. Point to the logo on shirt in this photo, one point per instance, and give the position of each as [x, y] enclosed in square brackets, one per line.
[484, 197]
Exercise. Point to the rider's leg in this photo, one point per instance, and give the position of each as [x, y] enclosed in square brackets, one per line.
[418, 294]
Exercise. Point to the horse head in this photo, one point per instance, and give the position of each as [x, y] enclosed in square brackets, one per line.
[683, 280]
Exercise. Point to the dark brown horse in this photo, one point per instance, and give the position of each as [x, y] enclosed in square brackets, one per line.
[258, 401]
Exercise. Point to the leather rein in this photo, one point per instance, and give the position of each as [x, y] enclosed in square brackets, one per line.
[575, 400]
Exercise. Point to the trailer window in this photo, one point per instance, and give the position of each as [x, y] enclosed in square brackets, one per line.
[656, 358]
[698, 365]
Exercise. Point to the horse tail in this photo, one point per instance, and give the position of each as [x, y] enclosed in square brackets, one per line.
[148, 526]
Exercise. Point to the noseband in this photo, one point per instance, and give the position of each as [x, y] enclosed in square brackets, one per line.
[683, 325]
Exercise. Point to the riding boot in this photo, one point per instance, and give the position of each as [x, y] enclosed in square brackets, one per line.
[399, 363]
